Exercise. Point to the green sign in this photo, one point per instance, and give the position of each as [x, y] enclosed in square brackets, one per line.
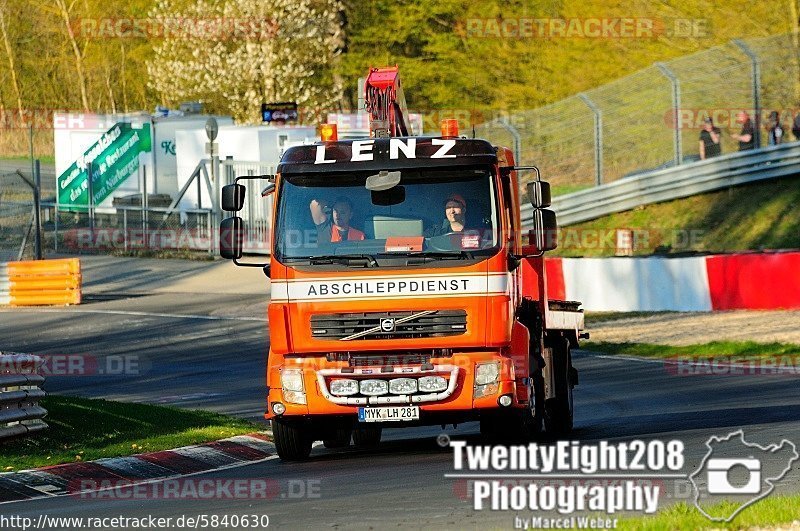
[112, 159]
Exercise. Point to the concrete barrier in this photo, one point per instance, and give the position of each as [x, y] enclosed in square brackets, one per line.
[762, 281]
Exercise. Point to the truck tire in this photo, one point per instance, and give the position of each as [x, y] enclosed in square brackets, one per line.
[293, 440]
[366, 438]
[338, 438]
[516, 425]
[559, 410]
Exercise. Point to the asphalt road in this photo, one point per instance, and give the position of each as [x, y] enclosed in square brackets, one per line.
[207, 350]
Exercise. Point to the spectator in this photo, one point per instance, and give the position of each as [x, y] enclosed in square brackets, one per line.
[709, 140]
[747, 137]
[774, 129]
[796, 127]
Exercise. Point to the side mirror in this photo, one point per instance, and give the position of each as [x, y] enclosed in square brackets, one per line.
[539, 194]
[231, 237]
[544, 234]
[233, 197]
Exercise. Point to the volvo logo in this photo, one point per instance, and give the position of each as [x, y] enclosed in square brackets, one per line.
[387, 324]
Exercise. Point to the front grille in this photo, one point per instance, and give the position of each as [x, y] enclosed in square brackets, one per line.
[440, 323]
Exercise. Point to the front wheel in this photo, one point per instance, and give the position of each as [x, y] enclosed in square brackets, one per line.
[293, 440]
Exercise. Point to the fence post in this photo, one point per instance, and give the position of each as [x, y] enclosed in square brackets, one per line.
[756, 88]
[144, 205]
[676, 106]
[215, 207]
[37, 206]
[503, 121]
[55, 225]
[598, 138]
[125, 229]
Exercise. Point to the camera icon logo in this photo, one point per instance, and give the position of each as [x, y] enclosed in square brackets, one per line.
[719, 481]
[738, 472]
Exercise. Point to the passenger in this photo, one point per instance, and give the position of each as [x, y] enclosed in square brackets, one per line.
[333, 225]
[455, 210]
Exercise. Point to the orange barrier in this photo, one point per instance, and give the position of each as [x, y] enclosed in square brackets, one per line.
[41, 282]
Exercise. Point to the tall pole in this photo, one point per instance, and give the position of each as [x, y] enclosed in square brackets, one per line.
[37, 197]
[144, 205]
[30, 147]
[676, 106]
[598, 138]
[90, 200]
[756, 64]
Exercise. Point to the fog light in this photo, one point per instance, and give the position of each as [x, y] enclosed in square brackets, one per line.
[278, 408]
[432, 384]
[505, 400]
[344, 387]
[374, 387]
[485, 390]
[294, 397]
[402, 386]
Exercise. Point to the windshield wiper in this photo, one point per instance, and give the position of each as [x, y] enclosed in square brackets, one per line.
[351, 260]
[430, 256]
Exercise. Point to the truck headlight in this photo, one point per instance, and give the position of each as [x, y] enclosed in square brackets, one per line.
[487, 376]
[344, 387]
[292, 380]
[374, 387]
[487, 373]
[432, 384]
[402, 386]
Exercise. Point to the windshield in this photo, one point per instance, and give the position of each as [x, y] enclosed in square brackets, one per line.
[429, 215]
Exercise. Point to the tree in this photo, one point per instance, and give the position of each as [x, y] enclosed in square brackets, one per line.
[12, 67]
[234, 55]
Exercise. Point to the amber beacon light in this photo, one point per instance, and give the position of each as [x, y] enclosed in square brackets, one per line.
[328, 133]
[449, 128]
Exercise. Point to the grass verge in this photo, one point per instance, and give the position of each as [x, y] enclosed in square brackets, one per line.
[739, 349]
[85, 429]
[771, 511]
[756, 216]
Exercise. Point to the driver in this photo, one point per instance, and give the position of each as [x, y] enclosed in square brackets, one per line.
[334, 225]
[455, 209]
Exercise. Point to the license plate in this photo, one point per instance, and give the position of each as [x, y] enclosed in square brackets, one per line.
[388, 414]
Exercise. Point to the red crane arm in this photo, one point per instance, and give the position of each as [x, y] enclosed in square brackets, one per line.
[386, 103]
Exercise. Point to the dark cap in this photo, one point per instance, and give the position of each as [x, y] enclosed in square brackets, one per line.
[457, 198]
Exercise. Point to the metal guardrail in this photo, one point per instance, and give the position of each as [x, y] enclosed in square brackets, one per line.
[20, 392]
[673, 183]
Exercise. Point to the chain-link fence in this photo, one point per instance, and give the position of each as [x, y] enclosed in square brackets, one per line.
[653, 118]
[164, 224]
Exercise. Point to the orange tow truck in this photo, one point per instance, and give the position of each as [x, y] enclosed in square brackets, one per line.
[401, 291]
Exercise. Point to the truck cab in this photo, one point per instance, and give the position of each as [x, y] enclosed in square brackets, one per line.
[403, 293]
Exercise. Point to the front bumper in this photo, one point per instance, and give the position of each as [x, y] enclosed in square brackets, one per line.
[458, 398]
